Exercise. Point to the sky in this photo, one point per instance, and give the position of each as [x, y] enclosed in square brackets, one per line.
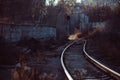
[47, 2]
[56, 1]
[78, 1]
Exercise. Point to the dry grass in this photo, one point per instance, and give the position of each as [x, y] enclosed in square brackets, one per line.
[24, 72]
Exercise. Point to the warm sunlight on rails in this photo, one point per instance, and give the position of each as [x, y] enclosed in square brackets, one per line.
[74, 36]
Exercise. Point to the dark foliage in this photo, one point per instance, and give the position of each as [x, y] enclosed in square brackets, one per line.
[109, 40]
[99, 14]
[20, 9]
[36, 44]
[8, 53]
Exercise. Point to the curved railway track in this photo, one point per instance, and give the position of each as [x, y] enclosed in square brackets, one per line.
[85, 60]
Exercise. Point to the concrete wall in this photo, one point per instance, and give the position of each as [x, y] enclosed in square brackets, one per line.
[16, 32]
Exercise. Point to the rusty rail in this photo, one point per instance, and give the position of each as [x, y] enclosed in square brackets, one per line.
[100, 65]
[92, 60]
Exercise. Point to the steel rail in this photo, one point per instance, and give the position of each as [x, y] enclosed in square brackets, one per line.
[100, 65]
[92, 60]
[63, 64]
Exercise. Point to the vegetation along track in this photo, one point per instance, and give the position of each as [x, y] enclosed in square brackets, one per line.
[78, 65]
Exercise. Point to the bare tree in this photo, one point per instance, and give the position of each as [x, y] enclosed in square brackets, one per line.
[51, 2]
[68, 5]
[39, 10]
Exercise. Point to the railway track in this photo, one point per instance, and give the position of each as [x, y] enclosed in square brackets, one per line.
[78, 65]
